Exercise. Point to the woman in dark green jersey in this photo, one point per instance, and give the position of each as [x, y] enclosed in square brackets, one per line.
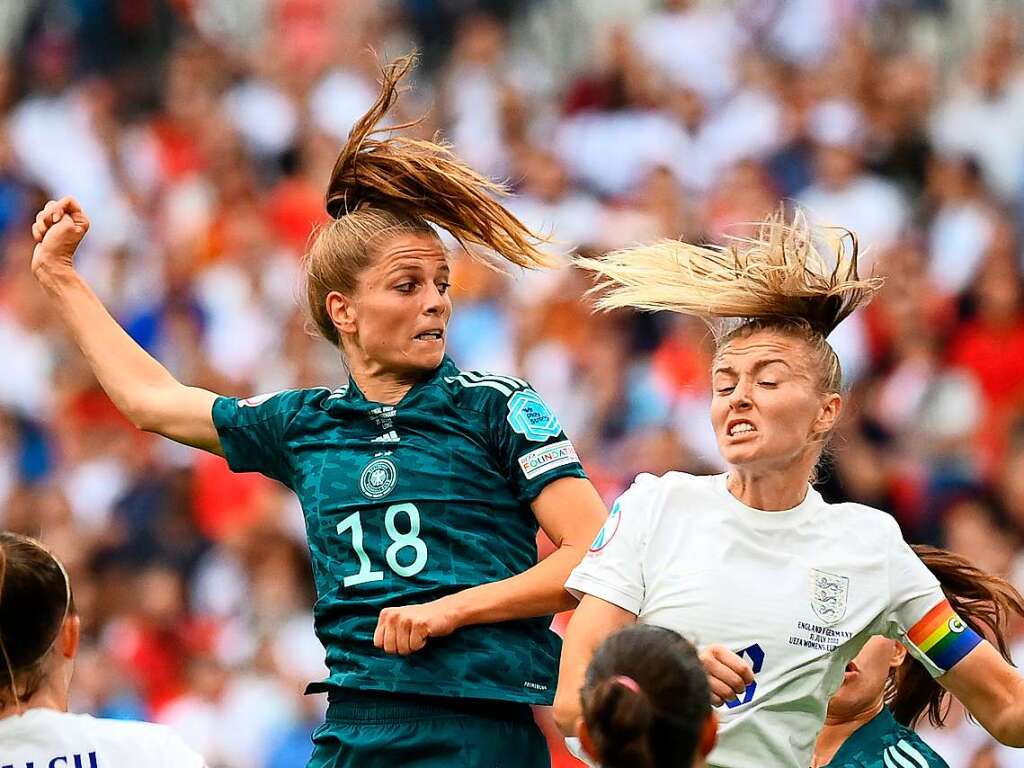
[885, 692]
[422, 485]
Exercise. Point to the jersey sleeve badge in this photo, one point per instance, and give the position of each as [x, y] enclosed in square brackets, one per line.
[529, 415]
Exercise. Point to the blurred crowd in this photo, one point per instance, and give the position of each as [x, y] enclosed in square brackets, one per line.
[199, 136]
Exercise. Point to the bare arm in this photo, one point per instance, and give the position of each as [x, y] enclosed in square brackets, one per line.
[592, 622]
[992, 691]
[570, 512]
[141, 388]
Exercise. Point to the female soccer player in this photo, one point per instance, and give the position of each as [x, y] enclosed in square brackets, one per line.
[422, 485]
[646, 702]
[885, 692]
[39, 633]
[780, 588]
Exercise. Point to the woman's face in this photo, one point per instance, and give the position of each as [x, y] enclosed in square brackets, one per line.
[766, 407]
[864, 680]
[396, 320]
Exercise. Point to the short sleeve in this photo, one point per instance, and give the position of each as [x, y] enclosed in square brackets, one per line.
[919, 616]
[613, 567]
[530, 443]
[176, 754]
[252, 431]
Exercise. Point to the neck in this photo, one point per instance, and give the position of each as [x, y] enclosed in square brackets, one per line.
[838, 729]
[47, 697]
[771, 490]
[381, 386]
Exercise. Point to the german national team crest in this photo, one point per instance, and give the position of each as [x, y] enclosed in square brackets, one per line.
[530, 416]
[828, 595]
[378, 478]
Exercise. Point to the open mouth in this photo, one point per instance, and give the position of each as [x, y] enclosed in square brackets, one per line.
[740, 427]
[432, 335]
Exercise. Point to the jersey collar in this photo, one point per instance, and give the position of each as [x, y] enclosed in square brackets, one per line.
[447, 367]
[762, 519]
[873, 733]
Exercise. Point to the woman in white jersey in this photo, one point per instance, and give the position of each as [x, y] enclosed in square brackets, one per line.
[778, 587]
[39, 634]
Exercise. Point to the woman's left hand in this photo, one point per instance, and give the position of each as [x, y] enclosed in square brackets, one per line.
[405, 630]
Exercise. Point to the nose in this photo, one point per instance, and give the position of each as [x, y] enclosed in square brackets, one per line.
[740, 398]
[434, 302]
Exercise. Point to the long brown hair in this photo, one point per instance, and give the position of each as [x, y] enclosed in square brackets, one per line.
[983, 601]
[382, 186]
[35, 599]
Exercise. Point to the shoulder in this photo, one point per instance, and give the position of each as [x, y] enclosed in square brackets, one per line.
[860, 523]
[911, 751]
[508, 396]
[282, 403]
[157, 743]
[651, 494]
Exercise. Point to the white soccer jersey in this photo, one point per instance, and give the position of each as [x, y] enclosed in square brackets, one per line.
[796, 592]
[46, 738]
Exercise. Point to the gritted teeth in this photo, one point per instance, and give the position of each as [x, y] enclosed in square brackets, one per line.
[741, 427]
[430, 335]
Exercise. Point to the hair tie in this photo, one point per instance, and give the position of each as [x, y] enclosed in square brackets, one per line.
[627, 682]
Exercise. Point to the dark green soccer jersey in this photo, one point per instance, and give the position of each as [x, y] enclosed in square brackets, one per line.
[408, 503]
[884, 743]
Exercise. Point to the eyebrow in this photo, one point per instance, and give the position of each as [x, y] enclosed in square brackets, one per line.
[728, 370]
[414, 265]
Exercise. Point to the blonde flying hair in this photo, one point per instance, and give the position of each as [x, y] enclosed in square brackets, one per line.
[778, 280]
[394, 185]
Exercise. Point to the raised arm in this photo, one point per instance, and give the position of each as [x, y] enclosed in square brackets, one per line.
[992, 690]
[141, 388]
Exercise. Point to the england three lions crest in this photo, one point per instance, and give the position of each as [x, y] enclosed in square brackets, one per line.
[828, 595]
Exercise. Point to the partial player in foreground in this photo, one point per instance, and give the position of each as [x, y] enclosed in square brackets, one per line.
[885, 692]
[422, 485]
[39, 632]
[779, 588]
[645, 703]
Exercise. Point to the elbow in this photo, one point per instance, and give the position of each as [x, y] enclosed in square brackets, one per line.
[565, 713]
[1010, 733]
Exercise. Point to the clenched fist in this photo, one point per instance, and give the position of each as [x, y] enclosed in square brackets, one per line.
[58, 229]
[405, 630]
[728, 674]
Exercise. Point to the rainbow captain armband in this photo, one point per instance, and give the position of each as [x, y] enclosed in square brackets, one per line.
[943, 636]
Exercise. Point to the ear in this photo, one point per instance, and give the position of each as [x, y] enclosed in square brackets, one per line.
[70, 637]
[585, 741]
[342, 311]
[899, 653]
[828, 416]
[708, 735]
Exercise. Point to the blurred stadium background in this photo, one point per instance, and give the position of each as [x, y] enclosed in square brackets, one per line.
[199, 135]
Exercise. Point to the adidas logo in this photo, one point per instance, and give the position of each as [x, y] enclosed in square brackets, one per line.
[387, 437]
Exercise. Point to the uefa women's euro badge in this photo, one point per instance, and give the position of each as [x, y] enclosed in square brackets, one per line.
[378, 478]
[530, 416]
[828, 595]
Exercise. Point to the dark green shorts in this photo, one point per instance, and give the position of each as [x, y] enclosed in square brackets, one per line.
[379, 730]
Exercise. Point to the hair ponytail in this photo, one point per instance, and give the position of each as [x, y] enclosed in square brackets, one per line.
[779, 274]
[622, 717]
[983, 601]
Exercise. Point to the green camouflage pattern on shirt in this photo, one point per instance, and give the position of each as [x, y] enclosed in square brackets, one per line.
[884, 743]
[449, 456]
